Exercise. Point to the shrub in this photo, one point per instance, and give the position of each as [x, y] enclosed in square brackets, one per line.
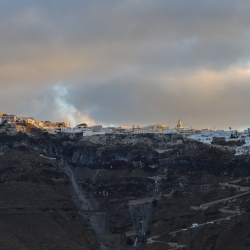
[130, 241]
[154, 202]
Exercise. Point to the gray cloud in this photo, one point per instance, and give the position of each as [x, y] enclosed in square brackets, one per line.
[127, 62]
[122, 101]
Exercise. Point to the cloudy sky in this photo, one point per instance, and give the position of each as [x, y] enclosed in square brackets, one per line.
[127, 62]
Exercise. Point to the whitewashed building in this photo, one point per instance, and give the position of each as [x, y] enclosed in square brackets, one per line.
[155, 128]
[69, 130]
[29, 120]
[204, 138]
[89, 132]
[244, 149]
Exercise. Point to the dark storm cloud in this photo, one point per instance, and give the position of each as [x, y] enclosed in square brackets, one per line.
[126, 61]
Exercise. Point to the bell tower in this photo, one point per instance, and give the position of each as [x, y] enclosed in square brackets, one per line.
[179, 124]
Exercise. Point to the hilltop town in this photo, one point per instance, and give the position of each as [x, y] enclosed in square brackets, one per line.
[234, 140]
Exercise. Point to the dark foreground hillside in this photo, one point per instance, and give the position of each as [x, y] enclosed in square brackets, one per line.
[36, 206]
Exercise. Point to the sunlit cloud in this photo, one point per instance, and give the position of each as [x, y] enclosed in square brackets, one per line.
[67, 112]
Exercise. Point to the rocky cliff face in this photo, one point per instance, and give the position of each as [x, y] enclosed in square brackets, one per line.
[98, 195]
[82, 153]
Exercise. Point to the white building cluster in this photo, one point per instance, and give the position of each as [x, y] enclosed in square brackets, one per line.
[47, 125]
[244, 149]
[147, 129]
[155, 128]
[207, 136]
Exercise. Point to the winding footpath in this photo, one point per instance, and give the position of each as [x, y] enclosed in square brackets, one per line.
[207, 205]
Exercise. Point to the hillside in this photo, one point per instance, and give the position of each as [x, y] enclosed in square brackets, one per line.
[66, 192]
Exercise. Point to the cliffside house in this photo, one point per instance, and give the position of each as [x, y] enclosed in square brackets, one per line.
[9, 118]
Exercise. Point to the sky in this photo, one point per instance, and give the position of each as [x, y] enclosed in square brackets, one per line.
[127, 62]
